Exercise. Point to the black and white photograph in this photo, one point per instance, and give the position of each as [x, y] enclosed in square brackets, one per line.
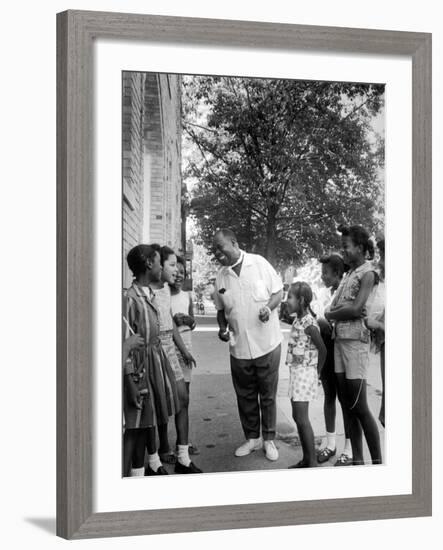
[253, 269]
[196, 235]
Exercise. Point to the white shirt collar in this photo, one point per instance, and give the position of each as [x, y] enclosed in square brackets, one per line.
[240, 259]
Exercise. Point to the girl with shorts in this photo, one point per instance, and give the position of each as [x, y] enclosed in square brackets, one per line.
[352, 339]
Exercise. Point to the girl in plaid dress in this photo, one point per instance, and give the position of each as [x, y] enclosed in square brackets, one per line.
[305, 358]
[150, 392]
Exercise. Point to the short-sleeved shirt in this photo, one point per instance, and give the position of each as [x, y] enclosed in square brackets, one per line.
[241, 297]
[302, 352]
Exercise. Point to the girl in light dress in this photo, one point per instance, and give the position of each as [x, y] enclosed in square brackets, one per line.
[305, 358]
[183, 315]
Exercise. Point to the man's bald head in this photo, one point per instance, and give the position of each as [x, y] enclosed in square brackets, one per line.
[227, 233]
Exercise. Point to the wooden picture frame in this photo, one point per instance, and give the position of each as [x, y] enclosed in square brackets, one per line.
[76, 32]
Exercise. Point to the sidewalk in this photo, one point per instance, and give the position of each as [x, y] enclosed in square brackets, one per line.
[214, 424]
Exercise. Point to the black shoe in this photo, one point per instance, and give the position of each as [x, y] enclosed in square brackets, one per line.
[160, 472]
[191, 469]
[300, 464]
[325, 454]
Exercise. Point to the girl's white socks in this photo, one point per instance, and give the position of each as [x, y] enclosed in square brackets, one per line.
[154, 461]
[136, 472]
[330, 440]
[183, 455]
[348, 448]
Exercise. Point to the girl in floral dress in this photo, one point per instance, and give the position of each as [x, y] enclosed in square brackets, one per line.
[305, 358]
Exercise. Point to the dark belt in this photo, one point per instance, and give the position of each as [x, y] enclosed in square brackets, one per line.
[154, 342]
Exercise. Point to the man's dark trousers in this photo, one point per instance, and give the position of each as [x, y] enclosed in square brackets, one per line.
[255, 383]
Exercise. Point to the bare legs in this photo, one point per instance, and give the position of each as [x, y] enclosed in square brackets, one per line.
[181, 421]
[300, 414]
[381, 415]
[134, 443]
[360, 418]
[129, 442]
[341, 394]
[164, 448]
[182, 417]
[329, 408]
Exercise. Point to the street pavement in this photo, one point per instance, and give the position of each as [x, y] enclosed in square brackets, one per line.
[214, 423]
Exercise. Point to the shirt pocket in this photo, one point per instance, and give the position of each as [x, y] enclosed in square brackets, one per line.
[259, 291]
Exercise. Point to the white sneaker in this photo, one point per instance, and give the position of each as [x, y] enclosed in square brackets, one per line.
[271, 452]
[249, 446]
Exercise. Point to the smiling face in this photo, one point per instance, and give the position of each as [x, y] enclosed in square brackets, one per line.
[180, 277]
[226, 250]
[352, 253]
[170, 270]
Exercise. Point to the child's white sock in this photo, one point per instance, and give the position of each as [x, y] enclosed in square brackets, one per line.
[348, 448]
[183, 455]
[154, 461]
[330, 440]
[136, 472]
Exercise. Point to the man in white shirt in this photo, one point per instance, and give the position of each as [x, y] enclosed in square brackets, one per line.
[247, 293]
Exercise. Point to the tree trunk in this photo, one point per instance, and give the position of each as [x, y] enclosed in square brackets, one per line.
[271, 239]
[249, 232]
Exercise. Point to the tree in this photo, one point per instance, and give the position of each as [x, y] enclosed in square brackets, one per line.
[282, 162]
[204, 268]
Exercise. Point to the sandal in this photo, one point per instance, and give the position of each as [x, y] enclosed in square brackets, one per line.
[168, 458]
[343, 460]
[325, 454]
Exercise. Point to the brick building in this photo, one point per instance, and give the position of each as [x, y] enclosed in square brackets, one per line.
[152, 183]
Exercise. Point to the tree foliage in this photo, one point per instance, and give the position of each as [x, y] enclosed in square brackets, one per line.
[204, 269]
[282, 162]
